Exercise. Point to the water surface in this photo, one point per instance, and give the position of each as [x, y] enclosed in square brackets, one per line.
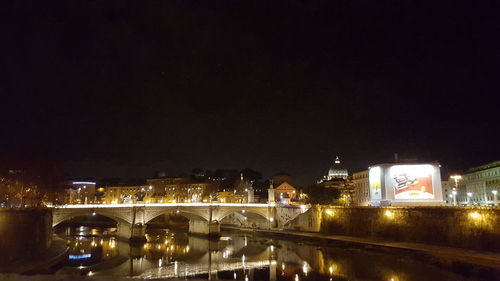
[235, 256]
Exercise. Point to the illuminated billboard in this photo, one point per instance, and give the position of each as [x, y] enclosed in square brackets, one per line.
[411, 181]
[405, 184]
[375, 178]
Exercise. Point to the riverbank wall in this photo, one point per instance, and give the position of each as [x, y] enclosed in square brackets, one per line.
[464, 227]
[24, 233]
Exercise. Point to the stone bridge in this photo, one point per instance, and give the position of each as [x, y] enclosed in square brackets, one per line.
[204, 218]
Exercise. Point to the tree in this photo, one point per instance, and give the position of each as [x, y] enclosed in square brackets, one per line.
[251, 175]
[318, 194]
[33, 178]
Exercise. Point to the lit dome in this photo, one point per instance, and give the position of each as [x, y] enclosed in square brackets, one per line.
[337, 171]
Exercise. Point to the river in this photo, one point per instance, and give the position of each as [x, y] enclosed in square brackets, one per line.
[167, 254]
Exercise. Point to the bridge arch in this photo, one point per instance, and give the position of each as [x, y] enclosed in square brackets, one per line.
[182, 212]
[61, 216]
[249, 213]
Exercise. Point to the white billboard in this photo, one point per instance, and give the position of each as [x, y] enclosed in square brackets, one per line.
[375, 178]
[411, 182]
[405, 184]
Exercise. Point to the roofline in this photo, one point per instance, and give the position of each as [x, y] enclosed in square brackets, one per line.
[487, 166]
[406, 163]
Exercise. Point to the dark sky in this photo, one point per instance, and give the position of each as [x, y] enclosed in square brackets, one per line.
[111, 88]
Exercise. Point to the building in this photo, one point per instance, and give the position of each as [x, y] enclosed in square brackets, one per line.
[242, 192]
[482, 184]
[231, 197]
[408, 184]
[361, 188]
[336, 172]
[181, 189]
[447, 191]
[81, 192]
[126, 194]
[286, 193]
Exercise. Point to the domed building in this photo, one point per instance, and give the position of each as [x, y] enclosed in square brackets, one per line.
[337, 171]
[338, 178]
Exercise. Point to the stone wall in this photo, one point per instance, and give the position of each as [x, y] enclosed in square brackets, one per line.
[467, 227]
[24, 233]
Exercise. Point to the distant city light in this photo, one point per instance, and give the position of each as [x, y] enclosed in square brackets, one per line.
[79, 257]
[83, 182]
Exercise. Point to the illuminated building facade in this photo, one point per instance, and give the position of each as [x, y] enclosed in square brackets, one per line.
[231, 197]
[160, 190]
[361, 188]
[125, 194]
[285, 193]
[482, 185]
[336, 172]
[178, 189]
[81, 192]
[338, 178]
[447, 188]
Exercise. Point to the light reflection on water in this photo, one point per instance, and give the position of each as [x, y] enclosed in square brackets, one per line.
[169, 254]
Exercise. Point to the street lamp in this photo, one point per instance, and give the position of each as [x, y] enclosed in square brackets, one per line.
[469, 198]
[455, 178]
[495, 199]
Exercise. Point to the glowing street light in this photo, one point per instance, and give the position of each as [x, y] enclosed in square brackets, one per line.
[454, 194]
[456, 179]
[469, 198]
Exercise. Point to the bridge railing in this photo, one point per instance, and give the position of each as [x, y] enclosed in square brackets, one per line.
[128, 205]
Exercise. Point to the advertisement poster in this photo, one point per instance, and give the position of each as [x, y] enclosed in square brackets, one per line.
[412, 181]
[375, 176]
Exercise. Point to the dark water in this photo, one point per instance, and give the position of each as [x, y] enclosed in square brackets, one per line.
[235, 256]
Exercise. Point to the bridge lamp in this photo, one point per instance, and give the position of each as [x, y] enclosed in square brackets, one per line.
[243, 211]
[474, 215]
[93, 213]
[388, 214]
[271, 219]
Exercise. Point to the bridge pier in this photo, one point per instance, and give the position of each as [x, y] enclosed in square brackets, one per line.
[136, 232]
[204, 227]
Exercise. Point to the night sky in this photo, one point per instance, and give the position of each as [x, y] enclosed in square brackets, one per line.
[110, 88]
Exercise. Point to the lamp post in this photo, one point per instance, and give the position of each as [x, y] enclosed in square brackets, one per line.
[455, 178]
[454, 194]
[495, 199]
[469, 198]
